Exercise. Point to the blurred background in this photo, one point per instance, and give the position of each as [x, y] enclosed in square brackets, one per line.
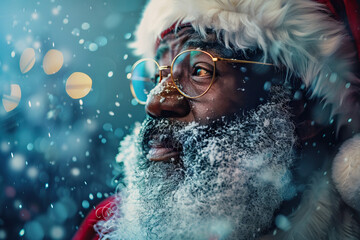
[60, 131]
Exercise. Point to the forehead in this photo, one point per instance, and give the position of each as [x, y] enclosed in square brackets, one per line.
[187, 38]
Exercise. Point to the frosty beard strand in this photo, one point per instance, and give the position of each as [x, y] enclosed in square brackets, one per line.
[231, 180]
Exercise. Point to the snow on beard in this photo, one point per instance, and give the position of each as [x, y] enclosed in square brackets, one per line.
[230, 181]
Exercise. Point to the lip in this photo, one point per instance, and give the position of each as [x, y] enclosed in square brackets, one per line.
[163, 151]
[163, 154]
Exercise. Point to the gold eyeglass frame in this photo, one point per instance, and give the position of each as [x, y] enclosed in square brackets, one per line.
[214, 59]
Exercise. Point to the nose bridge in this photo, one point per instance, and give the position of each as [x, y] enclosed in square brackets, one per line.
[166, 85]
[166, 101]
[164, 67]
[164, 72]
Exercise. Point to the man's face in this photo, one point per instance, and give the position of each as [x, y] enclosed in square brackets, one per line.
[237, 88]
[209, 168]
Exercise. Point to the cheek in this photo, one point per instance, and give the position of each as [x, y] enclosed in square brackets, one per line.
[235, 90]
[244, 89]
[232, 93]
[221, 100]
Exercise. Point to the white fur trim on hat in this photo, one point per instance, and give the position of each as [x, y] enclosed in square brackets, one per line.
[346, 172]
[297, 34]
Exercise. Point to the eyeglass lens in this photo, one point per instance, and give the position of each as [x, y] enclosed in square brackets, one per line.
[143, 79]
[192, 72]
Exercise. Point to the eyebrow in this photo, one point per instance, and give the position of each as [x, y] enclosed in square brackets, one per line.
[214, 47]
[221, 51]
[195, 43]
[160, 51]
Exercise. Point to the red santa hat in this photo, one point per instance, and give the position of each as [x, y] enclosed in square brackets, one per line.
[300, 35]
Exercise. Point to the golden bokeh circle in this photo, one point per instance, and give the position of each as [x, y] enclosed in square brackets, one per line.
[53, 61]
[10, 102]
[78, 85]
[27, 60]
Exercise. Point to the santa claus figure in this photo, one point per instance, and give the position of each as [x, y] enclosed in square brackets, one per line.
[252, 124]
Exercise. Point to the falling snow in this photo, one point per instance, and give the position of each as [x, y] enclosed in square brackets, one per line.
[57, 144]
[54, 164]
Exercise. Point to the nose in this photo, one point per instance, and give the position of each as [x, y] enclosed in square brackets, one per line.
[165, 101]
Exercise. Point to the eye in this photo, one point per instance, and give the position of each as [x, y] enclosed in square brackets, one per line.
[201, 71]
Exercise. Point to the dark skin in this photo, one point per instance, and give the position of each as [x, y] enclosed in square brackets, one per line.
[229, 93]
[225, 97]
[236, 89]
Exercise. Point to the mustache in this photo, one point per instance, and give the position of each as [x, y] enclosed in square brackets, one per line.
[179, 135]
[160, 131]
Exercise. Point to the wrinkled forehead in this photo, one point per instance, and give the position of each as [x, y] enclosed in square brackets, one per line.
[187, 38]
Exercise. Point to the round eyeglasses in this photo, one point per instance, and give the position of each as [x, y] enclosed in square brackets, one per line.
[192, 72]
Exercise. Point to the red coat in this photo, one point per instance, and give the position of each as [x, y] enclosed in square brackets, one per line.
[101, 212]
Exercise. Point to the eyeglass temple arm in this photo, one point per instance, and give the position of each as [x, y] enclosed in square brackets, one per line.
[239, 61]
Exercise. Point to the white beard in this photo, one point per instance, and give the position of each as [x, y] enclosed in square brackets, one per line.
[228, 186]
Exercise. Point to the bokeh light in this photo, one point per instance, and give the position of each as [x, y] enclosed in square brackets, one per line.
[2, 234]
[34, 230]
[85, 204]
[17, 162]
[53, 61]
[57, 232]
[10, 102]
[27, 60]
[78, 85]
[75, 172]
[32, 172]
[101, 41]
[51, 53]
[93, 47]
[85, 26]
[10, 192]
